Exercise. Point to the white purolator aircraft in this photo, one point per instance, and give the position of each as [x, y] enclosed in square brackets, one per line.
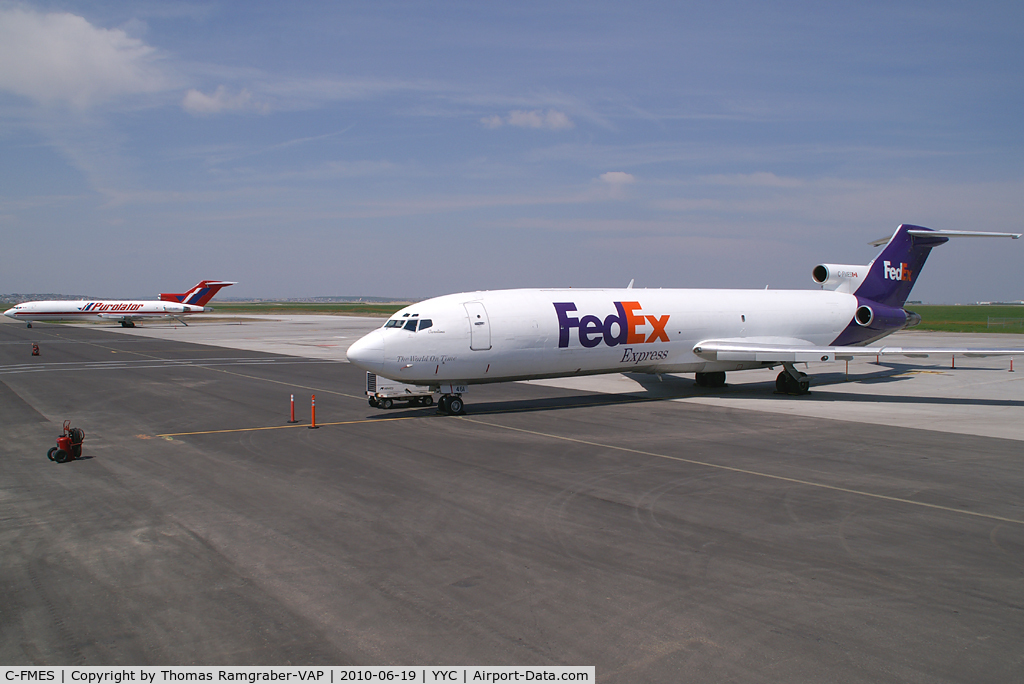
[457, 340]
[170, 305]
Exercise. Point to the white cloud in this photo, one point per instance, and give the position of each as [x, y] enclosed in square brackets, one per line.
[492, 122]
[762, 179]
[615, 183]
[523, 119]
[60, 57]
[551, 120]
[557, 121]
[196, 102]
[617, 178]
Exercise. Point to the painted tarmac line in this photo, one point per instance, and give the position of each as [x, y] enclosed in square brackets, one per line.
[385, 419]
[754, 473]
[169, 435]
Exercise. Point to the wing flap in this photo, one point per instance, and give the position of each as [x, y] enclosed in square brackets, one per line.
[760, 352]
[131, 316]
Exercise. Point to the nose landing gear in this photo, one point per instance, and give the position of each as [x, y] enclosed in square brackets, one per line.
[452, 405]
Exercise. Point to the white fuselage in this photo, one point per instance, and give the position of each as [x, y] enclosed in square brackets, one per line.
[98, 310]
[482, 337]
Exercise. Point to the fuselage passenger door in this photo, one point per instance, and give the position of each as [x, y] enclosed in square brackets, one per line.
[479, 326]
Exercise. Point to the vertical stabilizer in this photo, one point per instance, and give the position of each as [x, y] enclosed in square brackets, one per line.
[198, 295]
[894, 271]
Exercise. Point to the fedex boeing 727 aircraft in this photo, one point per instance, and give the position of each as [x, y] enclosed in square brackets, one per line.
[470, 338]
[125, 312]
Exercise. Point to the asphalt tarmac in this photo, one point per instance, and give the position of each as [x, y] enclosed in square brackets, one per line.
[868, 532]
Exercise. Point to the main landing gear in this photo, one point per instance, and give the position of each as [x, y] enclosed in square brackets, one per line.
[791, 381]
[452, 405]
[716, 379]
[127, 324]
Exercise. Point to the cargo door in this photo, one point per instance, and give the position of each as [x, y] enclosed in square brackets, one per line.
[479, 326]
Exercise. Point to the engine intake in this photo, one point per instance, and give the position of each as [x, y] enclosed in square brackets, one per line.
[864, 316]
[880, 317]
[839, 277]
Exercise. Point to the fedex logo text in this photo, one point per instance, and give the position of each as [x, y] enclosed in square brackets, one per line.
[623, 327]
[901, 272]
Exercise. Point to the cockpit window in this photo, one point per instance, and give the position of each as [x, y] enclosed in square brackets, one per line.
[410, 324]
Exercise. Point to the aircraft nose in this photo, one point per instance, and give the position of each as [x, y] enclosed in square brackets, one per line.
[9, 313]
[368, 352]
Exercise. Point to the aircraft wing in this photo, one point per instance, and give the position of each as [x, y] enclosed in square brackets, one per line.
[793, 351]
[123, 316]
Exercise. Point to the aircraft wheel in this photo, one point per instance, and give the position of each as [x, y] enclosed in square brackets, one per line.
[716, 379]
[442, 404]
[29, 325]
[780, 383]
[386, 404]
[372, 401]
[61, 456]
[787, 384]
[701, 379]
[456, 407]
[51, 452]
[427, 401]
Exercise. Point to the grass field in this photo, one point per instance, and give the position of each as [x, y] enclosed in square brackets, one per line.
[973, 319]
[353, 309]
[976, 319]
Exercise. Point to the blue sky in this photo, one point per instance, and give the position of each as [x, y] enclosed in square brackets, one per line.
[413, 149]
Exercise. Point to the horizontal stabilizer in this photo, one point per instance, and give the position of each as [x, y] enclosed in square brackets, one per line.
[948, 234]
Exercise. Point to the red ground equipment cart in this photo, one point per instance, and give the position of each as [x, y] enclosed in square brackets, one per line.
[69, 444]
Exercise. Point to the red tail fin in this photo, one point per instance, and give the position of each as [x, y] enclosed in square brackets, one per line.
[198, 295]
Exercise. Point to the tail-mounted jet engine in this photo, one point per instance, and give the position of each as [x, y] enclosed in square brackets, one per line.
[875, 316]
[839, 277]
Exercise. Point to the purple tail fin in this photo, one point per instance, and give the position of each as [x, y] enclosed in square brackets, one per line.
[894, 271]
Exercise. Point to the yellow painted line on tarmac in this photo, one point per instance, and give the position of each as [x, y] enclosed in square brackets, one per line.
[612, 402]
[754, 473]
[318, 390]
[288, 427]
[221, 370]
